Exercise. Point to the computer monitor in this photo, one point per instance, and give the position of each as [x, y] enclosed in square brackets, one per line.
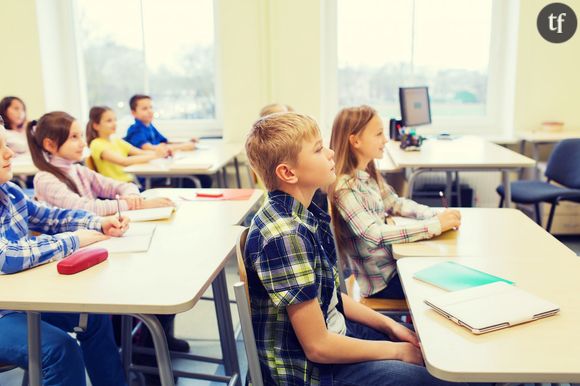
[415, 106]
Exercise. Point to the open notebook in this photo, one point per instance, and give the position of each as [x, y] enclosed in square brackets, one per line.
[137, 239]
[149, 214]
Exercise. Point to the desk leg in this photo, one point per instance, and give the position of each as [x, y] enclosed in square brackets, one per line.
[225, 177]
[34, 360]
[411, 182]
[448, 186]
[458, 189]
[522, 152]
[225, 325]
[507, 188]
[161, 350]
[126, 343]
[536, 155]
[237, 166]
[147, 183]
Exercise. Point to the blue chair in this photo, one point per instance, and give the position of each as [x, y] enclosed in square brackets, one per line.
[563, 168]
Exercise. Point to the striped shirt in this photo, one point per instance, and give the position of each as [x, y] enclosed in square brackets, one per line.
[97, 192]
[19, 215]
[364, 207]
[290, 258]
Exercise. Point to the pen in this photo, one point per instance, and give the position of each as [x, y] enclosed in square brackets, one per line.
[445, 203]
[118, 206]
[443, 200]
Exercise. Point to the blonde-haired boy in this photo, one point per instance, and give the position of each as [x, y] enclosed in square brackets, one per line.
[298, 314]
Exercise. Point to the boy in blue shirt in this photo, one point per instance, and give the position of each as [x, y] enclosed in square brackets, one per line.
[144, 135]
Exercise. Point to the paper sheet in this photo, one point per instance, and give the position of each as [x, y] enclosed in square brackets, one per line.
[149, 214]
[137, 239]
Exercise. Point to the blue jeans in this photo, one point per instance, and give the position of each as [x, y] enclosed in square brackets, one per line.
[393, 290]
[63, 360]
[386, 372]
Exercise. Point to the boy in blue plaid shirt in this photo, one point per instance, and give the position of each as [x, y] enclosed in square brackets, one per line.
[63, 360]
[307, 332]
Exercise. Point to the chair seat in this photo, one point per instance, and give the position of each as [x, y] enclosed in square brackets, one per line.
[4, 367]
[385, 304]
[377, 304]
[529, 192]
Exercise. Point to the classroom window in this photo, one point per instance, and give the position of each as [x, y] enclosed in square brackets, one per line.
[165, 49]
[386, 44]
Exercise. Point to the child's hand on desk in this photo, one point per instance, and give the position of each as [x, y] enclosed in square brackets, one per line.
[134, 201]
[115, 226]
[162, 151]
[449, 219]
[159, 202]
[88, 237]
[187, 146]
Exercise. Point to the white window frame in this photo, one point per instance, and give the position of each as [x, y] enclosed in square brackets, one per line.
[58, 29]
[499, 118]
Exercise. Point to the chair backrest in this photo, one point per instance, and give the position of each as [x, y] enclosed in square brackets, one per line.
[90, 163]
[564, 163]
[240, 248]
[4, 367]
[243, 302]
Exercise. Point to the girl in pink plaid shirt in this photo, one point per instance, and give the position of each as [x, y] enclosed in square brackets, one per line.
[361, 201]
[56, 144]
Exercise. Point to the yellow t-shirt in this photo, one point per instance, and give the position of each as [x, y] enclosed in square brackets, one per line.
[106, 168]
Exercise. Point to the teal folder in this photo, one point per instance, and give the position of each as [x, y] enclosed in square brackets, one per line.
[452, 276]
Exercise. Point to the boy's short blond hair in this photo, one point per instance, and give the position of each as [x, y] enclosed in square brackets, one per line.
[275, 139]
[275, 108]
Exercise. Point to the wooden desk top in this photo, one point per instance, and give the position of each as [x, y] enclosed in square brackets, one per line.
[546, 350]
[540, 136]
[208, 160]
[230, 211]
[486, 232]
[185, 255]
[467, 152]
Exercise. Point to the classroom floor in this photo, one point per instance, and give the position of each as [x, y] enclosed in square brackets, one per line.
[199, 325]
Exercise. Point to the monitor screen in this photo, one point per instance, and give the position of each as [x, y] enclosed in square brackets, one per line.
[415, 106]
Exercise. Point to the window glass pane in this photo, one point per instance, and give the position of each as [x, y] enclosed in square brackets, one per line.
[112, 52]
[180, 57]
[161, 48]
[443, 44]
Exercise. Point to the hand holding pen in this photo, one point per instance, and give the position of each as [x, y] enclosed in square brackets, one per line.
[449, 218]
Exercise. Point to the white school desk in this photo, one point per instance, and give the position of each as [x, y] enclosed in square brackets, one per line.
[546, 350]
[540, 137]
[210, 160]
[468, 153]
[485, 232]
[184, 259]
[232, 211]
[22, 165]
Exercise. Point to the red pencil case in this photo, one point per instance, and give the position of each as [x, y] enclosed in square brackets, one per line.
[81, 260]
[209, 195]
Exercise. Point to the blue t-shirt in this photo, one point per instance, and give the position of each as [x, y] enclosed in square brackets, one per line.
[139, 134]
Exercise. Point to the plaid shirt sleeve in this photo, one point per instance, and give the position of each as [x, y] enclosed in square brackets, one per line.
[374, 230]
[16, 256]
[51, 220]
[286, 269]
[20, 251]
[400, 206]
